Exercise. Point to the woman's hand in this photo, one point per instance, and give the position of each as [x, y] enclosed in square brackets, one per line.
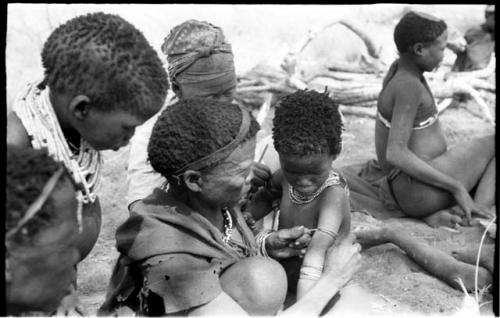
[468, 205]
[287, 243]
[250, 221]
[261, 174]
[343, 260]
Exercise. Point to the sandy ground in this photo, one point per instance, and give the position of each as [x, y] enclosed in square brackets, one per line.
[261, 34]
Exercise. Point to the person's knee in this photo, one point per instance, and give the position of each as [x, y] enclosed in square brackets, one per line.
[489, 143]
[258, 284]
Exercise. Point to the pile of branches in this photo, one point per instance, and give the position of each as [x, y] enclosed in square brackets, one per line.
[356, 87]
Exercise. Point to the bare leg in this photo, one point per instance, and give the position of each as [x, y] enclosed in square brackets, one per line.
[435, 261]
[485, 192]
[469, 255]
[439, 263]
[466, 162]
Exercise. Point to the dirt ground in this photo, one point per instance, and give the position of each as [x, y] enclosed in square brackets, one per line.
[263, 34]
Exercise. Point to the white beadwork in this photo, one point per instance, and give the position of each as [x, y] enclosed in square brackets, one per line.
[228, 225]
[35, 111]
[299, 198]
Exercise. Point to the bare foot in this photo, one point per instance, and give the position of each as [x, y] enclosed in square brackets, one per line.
[444, 217]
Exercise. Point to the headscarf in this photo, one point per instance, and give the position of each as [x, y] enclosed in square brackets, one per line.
[197, 52]
[415, 27]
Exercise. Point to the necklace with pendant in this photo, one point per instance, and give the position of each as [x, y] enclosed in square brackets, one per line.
[228, 225]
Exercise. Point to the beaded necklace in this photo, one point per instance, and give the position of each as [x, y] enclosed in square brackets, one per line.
[300, 198]
[228, 225]
[35, 111]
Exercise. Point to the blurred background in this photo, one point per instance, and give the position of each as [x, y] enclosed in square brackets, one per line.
[258, 33]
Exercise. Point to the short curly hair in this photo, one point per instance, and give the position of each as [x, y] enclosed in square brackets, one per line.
[106, 58]
[307, 122]
[192, 129]
[28, 170]
[415, 27]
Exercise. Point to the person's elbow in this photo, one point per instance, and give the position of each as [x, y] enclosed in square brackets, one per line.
[395, 155]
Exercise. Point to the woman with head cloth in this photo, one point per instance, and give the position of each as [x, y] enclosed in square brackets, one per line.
[200, 65]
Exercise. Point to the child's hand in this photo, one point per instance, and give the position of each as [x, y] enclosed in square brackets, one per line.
[287, 243]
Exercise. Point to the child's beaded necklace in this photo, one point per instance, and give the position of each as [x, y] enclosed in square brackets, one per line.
[299, 198]
[34, 109]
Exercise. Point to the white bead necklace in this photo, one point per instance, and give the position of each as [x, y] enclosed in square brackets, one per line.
[34, 109]
[228, 225]
[300, 198]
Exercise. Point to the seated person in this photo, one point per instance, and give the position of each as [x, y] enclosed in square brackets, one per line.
[102, 79]
[427, 179]
[200, 65]
[188, 250]
[307, 135]
[41, 232]
[480, 45]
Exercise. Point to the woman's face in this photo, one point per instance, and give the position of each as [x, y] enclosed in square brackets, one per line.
[433, 53]
[225, 184]
[306, 173]
[42, 270]
[205, 90]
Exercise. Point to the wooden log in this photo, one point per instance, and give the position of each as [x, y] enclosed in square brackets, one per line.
[372, 48]
[358, 111]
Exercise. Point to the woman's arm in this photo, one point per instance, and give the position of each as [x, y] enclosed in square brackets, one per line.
[341, 262]
[223, 304]
[333, 209]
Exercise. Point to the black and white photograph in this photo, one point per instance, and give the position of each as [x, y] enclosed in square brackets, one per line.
[306, 160]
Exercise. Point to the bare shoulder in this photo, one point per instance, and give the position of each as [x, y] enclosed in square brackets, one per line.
[404, 83]
[16, 133]
[333, 196]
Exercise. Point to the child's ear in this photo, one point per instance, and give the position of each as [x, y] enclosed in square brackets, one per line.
[192, 180]
[418, 48]
[79, 106]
